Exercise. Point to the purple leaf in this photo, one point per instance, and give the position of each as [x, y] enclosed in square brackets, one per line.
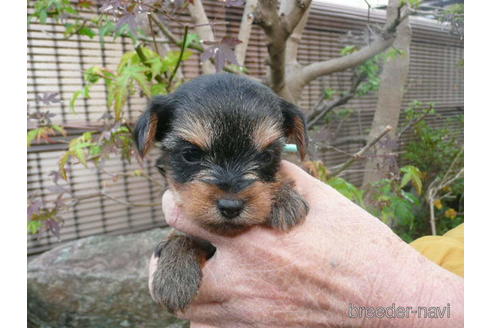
[56, 189]
[34, 207]
[222, 52]
[59, 202]
[53, 226]
[55, 176]
[48, 98]
[129, 19]
[41, 117]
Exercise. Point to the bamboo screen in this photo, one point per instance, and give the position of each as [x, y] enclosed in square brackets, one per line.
[56, 64]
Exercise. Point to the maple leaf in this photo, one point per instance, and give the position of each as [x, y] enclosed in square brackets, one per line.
[55, 176]
[129, 19]
[57, 189]
[49, 97]
[222, 51]
[34, 207]
[42, 118]
[53, 226]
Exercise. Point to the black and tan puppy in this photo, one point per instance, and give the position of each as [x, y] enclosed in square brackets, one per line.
[221, 138]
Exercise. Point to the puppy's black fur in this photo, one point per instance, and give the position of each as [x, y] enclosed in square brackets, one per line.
[221, 138]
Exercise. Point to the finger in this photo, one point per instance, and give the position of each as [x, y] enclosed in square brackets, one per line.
[200, 325]
[152, 268]
[175, 217]
[306, 184]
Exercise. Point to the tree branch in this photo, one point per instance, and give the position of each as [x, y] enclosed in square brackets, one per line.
[180, 58]
[361, 152]
[323, 108]
[245, 31]
[386, 38]
[415, 122]
[202, 28]
[293, 41]
[143, 59]
[315, 70]
[277, 29]
[103, 194]
[296, 13]
[439, 184]
[178, 42]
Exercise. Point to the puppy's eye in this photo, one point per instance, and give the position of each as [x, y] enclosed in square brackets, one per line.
[266, 157]
[192, 155]
[161, 170]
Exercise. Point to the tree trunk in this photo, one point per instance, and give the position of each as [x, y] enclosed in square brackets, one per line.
[390, 96]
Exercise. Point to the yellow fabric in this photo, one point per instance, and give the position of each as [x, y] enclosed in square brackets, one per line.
[447, 250]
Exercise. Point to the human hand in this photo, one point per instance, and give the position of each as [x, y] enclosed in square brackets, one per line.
[341, 256]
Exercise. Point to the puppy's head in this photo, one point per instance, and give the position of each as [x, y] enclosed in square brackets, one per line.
[221, 138]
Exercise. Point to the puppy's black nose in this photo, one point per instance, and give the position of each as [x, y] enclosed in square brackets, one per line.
[230, 208]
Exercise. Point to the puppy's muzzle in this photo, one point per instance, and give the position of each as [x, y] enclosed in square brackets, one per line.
[230, 208]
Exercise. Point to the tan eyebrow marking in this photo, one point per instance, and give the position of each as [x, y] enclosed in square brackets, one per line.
[266, 132]
[195, 131]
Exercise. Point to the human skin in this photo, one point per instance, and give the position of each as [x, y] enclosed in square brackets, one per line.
[341, 256]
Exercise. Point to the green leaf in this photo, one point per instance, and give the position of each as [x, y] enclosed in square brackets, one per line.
[172, 57]
[143, 84]
[156, 66]
[33, 227]
[192, 38]
[73, 100]
[80, 155]
[328, 93]
[87, 136]
[31, 135]
[95, 150]
[158, 89]
[393, 53]
[403, 210]
[347, 189]
[412, 174]
[87, 32]
[60, 129]
[93, 74]
[125, 60]
[348, 50]
[61, 165]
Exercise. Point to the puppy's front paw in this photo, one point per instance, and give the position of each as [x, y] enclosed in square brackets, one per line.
[289, 208]
[177, 277]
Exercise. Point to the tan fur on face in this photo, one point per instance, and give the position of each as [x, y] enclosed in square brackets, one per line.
[195, 130]
[300, 137]
[199, 202]
[266, 132]
[149, 139]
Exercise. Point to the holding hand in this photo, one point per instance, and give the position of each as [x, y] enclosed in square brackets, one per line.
[329, 271]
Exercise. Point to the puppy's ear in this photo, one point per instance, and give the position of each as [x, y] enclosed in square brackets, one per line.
[295, 126]
[153, 124]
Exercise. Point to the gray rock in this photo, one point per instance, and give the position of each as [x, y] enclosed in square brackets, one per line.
[99, 281]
